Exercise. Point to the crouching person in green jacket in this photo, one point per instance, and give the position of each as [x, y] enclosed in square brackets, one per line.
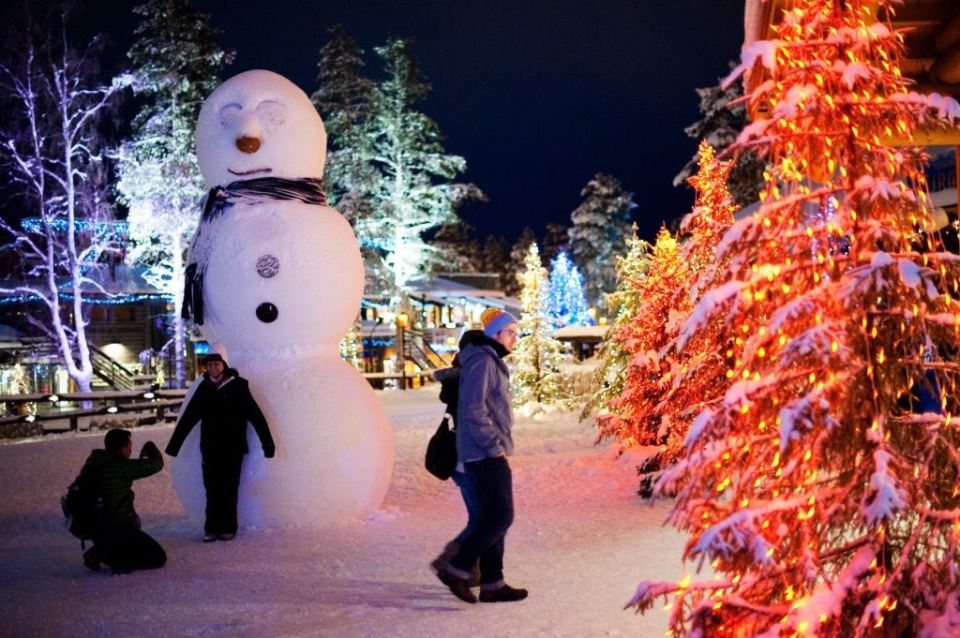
[119, 541]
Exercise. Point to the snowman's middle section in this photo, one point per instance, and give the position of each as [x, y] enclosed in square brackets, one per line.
[281, 273]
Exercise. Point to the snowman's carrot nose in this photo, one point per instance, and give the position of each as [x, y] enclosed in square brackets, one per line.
[248, 144]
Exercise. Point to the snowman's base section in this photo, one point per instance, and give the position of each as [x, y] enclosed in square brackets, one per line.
[335, 447]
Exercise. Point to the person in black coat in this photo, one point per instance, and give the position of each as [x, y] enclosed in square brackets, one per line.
[449, 379]
[223, 405]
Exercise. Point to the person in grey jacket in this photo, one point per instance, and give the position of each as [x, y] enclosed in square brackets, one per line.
[484, 439]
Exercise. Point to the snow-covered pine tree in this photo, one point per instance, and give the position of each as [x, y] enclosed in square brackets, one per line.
[697, 373]
[565, 303]
[538, 381]
[819, 489]
[459, 252]
[601, 227]
[633, 417]
[623, 304]
[176, 65]
[495, 256]
[723, 119]
[345, 100]
[53, 152]
[412, 189]
[517, 262]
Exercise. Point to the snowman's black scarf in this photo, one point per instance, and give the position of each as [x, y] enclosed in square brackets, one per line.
[307, 190]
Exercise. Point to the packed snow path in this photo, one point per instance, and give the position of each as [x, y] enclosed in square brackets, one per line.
[581, 543]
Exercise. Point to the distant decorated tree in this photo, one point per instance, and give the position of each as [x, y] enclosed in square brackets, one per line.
[351, 347]
[821, 488]
[539, 380]
[565, 303]
[517, 261]
[632, 416]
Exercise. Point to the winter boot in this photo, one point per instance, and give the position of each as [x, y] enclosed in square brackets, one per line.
[459, 587]
[505, 594]
[440, 562]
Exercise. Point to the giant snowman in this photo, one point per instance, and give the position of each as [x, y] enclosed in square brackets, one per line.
[282, 281]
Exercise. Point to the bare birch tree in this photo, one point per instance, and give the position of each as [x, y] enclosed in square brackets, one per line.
[49, 143]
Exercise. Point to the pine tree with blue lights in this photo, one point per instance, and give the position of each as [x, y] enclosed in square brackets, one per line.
[565, 303]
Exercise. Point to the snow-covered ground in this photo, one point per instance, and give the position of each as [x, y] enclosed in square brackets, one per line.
[581, 543]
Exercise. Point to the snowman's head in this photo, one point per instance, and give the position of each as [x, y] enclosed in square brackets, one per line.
[259, 124]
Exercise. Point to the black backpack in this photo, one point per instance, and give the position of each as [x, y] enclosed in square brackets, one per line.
[83, 505]
[441, 457]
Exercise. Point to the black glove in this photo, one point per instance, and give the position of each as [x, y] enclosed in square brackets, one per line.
[149, 449]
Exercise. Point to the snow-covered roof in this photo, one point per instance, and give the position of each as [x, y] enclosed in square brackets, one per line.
[572, 332]
[443, 287]
[446, 291]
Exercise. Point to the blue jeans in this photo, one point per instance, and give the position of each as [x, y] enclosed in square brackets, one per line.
[493, 482]
[469, 493]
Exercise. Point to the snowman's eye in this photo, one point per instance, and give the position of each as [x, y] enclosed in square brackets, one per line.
[272, 114]
[230, 115]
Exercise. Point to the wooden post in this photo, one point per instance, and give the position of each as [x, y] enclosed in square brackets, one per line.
[402, 356]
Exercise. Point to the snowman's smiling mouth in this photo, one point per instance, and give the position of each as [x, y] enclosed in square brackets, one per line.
[252, 171]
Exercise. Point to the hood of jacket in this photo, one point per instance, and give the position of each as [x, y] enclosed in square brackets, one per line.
[473, 341]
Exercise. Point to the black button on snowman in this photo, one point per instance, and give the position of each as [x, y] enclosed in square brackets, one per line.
[261, 140]
[267, 267]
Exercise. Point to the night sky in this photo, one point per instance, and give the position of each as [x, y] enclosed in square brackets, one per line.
[537, 96]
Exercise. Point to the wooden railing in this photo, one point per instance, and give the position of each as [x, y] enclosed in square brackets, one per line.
[45, 413]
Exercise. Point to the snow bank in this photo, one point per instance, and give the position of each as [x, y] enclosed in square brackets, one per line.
[581, 543]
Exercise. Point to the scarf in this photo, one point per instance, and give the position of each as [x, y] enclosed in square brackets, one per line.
[219, 200]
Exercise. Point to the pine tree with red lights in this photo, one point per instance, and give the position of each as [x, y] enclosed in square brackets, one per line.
[632, 416]
[821, 488]
[697, 370]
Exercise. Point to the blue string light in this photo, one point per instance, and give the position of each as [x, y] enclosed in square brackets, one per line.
[96, 301]
[115, 229]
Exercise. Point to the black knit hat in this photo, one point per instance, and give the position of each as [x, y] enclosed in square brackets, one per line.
[214, 356]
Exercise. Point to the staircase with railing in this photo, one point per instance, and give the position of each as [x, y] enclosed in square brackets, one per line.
[110, 371]
[417, 349]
